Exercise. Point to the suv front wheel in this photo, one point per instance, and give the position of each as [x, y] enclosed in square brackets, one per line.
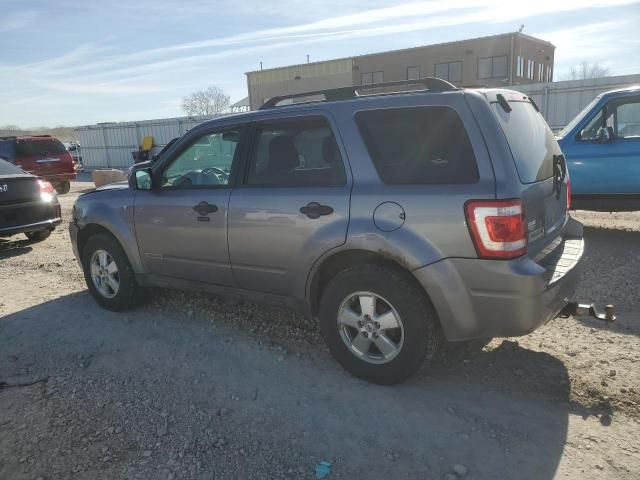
[108, 273]
[378, 325]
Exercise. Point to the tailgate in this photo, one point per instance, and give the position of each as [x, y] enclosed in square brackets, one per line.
[44, 157]
[540, 166]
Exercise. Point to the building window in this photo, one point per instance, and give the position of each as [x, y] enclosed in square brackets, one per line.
[372, 77]
[540, 72]
[530, 67]
[548, 73]
[413, 73]
[448, 71]
[520, 66]
[492, 67]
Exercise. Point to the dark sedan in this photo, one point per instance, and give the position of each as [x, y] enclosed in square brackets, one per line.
[28, 204]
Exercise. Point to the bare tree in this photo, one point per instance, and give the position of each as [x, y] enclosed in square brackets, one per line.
[586, 70]
[206, 102]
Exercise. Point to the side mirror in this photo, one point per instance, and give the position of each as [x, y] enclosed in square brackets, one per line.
[143, 179]
[605, 135]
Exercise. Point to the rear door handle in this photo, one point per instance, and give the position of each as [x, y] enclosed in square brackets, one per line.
[316, 210]
[205, 208]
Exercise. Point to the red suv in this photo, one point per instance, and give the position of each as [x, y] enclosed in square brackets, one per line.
[40, 155]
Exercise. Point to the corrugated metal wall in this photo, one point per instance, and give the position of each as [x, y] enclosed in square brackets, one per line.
[559, 102]
[109, 145]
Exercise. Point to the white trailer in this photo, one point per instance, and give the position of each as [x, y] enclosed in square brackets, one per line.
[559, 102]
[109, 145]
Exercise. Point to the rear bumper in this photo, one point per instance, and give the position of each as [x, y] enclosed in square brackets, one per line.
[31, 227]
[59, 177]
[490, 298]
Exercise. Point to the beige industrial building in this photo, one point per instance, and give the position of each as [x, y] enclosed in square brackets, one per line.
[498, 60]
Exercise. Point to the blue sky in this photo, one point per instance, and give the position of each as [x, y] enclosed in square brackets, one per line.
[74, 62]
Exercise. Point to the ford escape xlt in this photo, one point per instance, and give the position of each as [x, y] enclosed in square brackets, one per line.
[397, 220]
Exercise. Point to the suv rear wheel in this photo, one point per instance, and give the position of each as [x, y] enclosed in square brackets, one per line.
[378, 325]
[108, 274]
[63, 187]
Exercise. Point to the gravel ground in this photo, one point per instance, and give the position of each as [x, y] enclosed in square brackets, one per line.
[199, 387]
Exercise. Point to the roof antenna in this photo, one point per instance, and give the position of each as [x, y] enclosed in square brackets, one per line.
[521, 28]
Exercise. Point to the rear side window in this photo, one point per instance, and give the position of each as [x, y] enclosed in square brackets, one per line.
[531, 141]
[39, 147]
[7, 149]
[296, 153]
[418, 145]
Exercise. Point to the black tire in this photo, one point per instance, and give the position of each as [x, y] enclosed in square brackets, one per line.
[63, 187]
[129, 294]
[422, 334]
[39, 236]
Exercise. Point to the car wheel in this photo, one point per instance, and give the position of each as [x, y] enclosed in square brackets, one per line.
[63, 187]
[38, 236]
[378, 324]
[108, 274]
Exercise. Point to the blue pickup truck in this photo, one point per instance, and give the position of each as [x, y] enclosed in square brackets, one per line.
[602, 149]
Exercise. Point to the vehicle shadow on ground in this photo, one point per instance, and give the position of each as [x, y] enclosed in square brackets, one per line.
[12, 247]
[502, 413]
[610, 263]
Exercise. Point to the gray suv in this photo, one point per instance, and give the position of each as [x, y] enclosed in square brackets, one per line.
[396, 219]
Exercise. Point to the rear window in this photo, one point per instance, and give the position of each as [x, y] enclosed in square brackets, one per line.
[530, 139]
[39, 147]
[418, 145]
[7, 168]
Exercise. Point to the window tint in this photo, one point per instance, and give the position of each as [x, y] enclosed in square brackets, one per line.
[7, 149]
[530, 139]
[296, 153]
[39, 147]
[418, 145]
[207, 162]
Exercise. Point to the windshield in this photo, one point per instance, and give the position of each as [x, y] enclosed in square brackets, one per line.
[530, 139]
[578, 118]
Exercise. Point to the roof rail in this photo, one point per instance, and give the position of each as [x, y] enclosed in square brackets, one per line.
[345, 93]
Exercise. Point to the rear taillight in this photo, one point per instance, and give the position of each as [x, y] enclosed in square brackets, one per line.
[497, 228]
[568, 194]
[47, 192]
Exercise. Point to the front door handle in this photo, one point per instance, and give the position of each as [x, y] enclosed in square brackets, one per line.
[316, 210]
[205, 208]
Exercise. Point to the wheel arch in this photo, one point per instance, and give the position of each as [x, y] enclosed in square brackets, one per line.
[91, 229]
[328, 267]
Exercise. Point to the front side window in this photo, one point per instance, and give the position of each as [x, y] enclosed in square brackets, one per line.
[206, 162]
[418, 145]
[296, 153]
[590, 131]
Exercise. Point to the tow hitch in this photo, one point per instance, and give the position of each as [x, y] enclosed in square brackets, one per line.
[588, 309]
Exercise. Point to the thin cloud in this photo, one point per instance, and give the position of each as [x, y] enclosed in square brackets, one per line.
[17, 20]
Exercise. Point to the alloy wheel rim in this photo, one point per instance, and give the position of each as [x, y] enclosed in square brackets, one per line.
[104, 274]
[370, 327]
